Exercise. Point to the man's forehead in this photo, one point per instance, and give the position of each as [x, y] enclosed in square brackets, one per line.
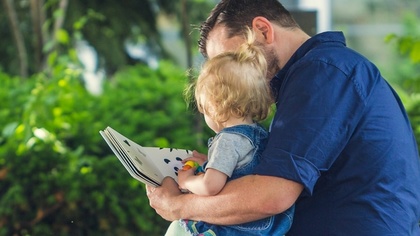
[218, 41]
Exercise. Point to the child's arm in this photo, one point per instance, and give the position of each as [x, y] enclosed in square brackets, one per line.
[209, 183]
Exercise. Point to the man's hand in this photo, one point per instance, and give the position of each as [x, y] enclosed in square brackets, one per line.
[162, 199]
[245, 199]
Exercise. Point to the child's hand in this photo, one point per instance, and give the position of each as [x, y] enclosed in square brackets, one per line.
[183, 176]
[200, 158]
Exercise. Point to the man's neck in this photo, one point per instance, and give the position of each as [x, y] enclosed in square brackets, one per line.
[287, 43]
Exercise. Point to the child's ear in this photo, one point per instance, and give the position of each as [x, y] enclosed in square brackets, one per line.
[263, 29]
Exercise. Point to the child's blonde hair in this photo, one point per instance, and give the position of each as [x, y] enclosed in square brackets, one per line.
[235, 84]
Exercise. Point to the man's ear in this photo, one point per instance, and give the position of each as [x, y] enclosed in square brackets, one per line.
[263, 29]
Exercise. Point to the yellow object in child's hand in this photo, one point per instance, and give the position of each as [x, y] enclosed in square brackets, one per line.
[190, 164]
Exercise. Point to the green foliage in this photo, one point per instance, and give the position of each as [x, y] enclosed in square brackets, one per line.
[153, 101]
[106, 25]
[408, 46]
[57, 175]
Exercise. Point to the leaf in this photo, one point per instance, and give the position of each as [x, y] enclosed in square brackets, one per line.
[9, 129]
[405, 45]
[62, 36]
[415, 52]
[78, 25]
[58, 13]
[390, 37]
[48, 46]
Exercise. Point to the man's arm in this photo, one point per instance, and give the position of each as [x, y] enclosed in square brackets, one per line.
[246, 199]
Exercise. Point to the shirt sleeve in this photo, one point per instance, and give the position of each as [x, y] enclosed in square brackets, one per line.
[317, 109]
[227, 152]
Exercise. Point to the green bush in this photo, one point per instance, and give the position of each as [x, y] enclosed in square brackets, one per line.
[57, 175]
[408, 46]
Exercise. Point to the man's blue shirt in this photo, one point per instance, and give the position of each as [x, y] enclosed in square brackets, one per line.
[342, 132]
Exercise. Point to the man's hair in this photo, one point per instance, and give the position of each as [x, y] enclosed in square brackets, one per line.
[234, 84]
[237, 15]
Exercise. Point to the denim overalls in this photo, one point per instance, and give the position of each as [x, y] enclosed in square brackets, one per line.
[274, 225]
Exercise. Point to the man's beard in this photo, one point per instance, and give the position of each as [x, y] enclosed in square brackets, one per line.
[271, 59]
[272, 63]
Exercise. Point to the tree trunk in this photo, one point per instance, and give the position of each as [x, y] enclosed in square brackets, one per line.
[37, 21]
[17, 35]
[60, 20]
[185, 31]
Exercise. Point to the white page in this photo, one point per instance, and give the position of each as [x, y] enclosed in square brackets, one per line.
[146, 164]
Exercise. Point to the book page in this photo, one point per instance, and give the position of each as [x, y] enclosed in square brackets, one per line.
[131, 158]
[147, 164]
[168, 160]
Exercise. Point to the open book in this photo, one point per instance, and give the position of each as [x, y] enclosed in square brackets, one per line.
[149, 165]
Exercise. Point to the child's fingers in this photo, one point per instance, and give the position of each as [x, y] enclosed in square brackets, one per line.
[200, 156]
[197, 157]
[190, 165]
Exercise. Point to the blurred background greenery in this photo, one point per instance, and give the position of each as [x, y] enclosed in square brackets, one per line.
[70, 68]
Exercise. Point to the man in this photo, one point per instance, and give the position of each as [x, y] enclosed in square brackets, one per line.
[341, 146]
